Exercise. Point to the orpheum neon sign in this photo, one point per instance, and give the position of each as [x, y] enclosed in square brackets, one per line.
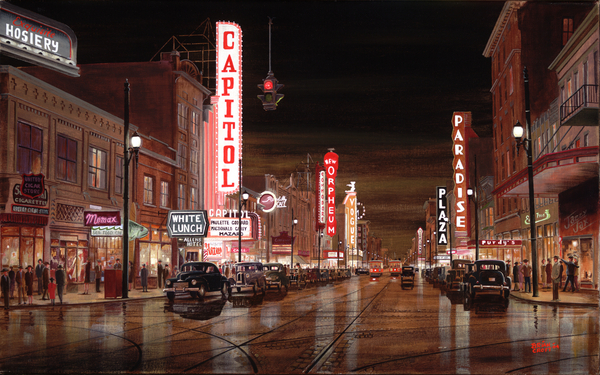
[331, 167]
[229, 105]
[461, 125]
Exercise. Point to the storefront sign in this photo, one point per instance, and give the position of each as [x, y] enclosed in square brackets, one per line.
[31, 37]
[225, 227]
[500, 243]
[101, 218]
[213, 251]
[267, 200]
[333, 254]
[114, 231]
[350, 219]
[187, 223]
[234, 250]
[441, 257]
[229, 105]
[461, 121]
[331, 166]
[539, 217]
[441, 217]
[30, 210]
[320, 197]
[32, 185]
[19, 198]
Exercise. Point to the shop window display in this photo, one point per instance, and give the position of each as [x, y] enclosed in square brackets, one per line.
[21, 245]
[581, 248]
[156, 245]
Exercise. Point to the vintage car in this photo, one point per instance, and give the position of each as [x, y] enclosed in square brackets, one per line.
[454, 277]
[275, 276]
[249, 275]
[197, 278]
[362, 270]
[376, 268]
[486, 284]
[395, 268]
[407, 277]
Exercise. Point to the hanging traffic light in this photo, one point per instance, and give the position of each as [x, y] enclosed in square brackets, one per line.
[270, 97]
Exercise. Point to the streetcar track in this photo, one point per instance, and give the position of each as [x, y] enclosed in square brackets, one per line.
[548, 362]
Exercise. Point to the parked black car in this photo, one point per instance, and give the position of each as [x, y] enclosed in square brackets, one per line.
[487, 284]
[197, 278]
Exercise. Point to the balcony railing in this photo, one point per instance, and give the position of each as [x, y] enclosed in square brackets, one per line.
[584, 98]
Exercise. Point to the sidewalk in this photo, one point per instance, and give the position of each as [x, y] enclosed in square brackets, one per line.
[580, 298]
[80, 298]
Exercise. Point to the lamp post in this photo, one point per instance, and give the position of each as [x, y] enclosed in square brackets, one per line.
[526, 143]
[245, 197]
[129, 149]
[472, 193]
[294, 222]
[338, 254]
[319, 264]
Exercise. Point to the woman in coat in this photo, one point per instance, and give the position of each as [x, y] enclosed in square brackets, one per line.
[29, 283]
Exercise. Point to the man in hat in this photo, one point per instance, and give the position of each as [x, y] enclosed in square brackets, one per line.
[144, 277]
[5, 286]
[570, 273]
[39, 271]
[555, 279]
[516, 276]
[20, 280]
[45, 280]
[160, 273]
[61, 277]
[526, 271]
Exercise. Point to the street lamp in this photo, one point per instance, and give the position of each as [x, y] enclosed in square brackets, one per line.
[338, 254]
[129, 149]
[472, 193]
[294, 222]
[526, 143]
[245, 197]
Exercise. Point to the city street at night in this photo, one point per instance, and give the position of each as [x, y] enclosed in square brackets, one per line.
[357, 325]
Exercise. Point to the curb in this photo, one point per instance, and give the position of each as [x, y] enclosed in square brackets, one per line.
[563, 303]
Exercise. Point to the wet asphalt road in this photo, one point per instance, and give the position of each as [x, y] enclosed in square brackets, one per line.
[360, 325]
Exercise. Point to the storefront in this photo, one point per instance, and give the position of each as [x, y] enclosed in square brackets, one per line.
[579, 229]
[155, 246]
[22, 239]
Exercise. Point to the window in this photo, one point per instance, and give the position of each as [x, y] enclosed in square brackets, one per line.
[119, 175]
[586, 140]
[29, 149]
[66, 159]
[193, 199]
[181, 197]
[148, 190]
[194, 161]
[507, 163]
[567, 30]
[182, 156]
[575, 81]
[164, 194]
[511, 85]
[182, 116]
[97, 169]
[195, 122]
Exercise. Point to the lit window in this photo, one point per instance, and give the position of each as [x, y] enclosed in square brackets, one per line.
[181, 197]
[164, 194]
[148, 190]
[97, 169]
[29, 149]
[567, 30]
[66, 159]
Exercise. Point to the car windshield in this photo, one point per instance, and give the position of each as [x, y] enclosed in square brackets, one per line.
[249, 267]
[193, 267]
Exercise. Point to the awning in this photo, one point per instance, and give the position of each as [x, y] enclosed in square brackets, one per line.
[299, 259]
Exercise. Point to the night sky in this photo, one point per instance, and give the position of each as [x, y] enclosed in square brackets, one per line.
[377, 81]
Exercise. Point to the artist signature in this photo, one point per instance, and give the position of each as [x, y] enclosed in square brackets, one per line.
[543, 347]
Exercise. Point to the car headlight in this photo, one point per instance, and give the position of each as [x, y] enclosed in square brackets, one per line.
[194, 282]
[247, 276]
[168, 282]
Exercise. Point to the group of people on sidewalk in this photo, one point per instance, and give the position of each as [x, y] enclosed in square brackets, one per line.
[551, 275]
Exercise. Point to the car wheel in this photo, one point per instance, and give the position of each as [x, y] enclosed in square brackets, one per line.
[194, 294]
[171, 296]
[468, 302]
[225, 289]
[201, 291]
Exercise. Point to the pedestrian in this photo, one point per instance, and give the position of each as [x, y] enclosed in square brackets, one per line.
[516, 276]
[29, 283]
[144, 277]
[87, 277]
[549, 273]
[160, 273]
[521, 277]
[166, 273]
[570, 273]
[20, 279]
[45, 280]
[561, 273]
[39, 270]
[11, 276]
[98, 271]
[52, 290]
[555, 279]
[5, 286]
[542, 272]
[130, 274]
[118, 265]
[526, 271]
[576, 278]
[508, 268]
[61, 277]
